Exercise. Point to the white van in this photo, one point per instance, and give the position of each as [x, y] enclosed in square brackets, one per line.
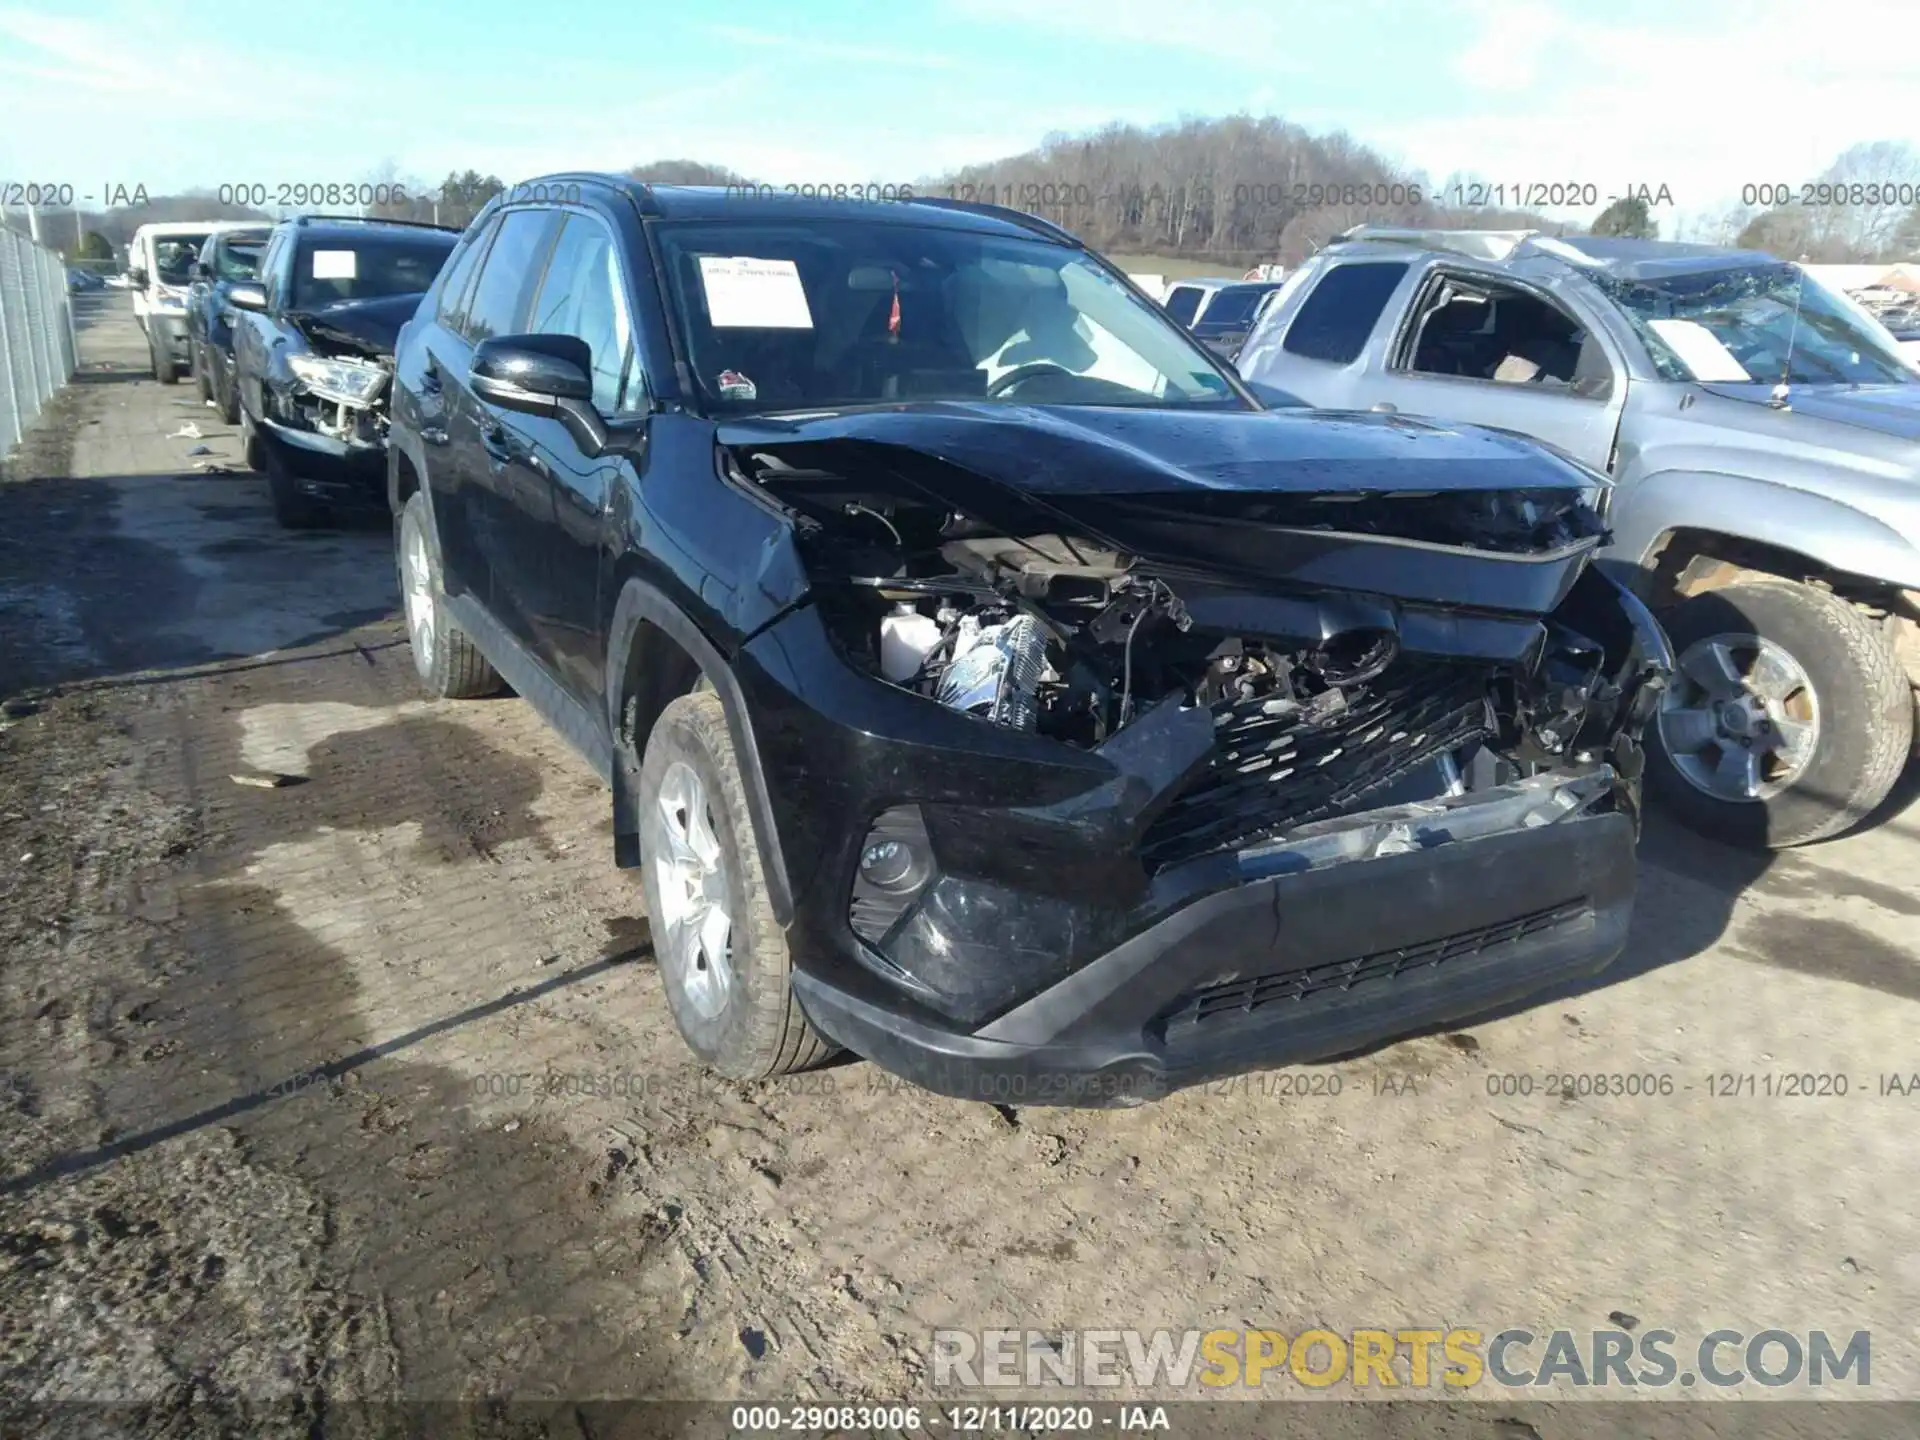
[160, 268]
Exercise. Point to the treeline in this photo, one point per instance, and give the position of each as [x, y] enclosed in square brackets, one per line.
[1233, 191]
[1238, 189]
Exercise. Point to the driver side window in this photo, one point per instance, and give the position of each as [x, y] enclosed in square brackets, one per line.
[1479, 329]
[583, 295]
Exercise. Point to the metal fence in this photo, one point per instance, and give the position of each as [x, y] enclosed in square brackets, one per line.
[37, 345]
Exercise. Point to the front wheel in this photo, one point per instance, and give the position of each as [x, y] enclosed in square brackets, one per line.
[1788, 721]
[722, 955]
[197, 363]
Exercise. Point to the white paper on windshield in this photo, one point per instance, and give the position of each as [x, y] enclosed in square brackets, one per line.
[1700, 350]
[748, 294]
[334, 264]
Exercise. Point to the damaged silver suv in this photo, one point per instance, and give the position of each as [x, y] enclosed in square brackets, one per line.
[984, 680]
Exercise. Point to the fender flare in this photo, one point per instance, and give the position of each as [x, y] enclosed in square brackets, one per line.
[1834, 535]
[640, 602]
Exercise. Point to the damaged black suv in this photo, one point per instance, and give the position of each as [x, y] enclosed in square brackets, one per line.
[986, 682]
[313, 351]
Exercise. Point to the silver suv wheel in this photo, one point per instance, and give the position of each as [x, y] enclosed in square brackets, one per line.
[1741, 719]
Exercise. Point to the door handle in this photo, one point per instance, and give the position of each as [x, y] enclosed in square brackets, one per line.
[495, 442]
[433, 435]
[1384, 407]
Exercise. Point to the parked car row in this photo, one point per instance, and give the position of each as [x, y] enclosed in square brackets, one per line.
[289, 330]
[1762, 434]
[1220, 312]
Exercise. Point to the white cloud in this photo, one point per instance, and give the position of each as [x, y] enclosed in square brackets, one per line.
[1719, 99]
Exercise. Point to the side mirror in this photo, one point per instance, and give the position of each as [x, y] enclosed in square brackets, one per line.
[542, 375]
[247, 297]
[138, 278]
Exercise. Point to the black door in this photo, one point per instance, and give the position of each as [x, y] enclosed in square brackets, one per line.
[485, 450]
[557, 551]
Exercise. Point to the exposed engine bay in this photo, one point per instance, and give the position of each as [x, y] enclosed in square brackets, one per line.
[1323, 702]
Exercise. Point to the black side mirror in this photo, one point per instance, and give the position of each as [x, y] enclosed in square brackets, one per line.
[542, 375]
[138, 277]
[247, 297]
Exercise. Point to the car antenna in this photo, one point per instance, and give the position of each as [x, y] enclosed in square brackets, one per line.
[1782, 396]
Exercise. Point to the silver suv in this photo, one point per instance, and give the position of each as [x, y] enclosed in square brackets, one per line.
[1763, 436]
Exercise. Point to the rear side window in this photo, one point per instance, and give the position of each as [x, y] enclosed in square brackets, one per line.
[453, 294]
[1182, 301]
[1334, 322]
[505, 288]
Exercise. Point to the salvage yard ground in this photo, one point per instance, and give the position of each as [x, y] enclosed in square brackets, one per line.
[363, 1084]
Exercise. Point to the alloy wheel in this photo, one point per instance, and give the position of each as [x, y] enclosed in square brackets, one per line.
[1741, 720]
[694, 931]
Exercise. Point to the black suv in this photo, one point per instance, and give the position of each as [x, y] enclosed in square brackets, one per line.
[230, 257]
[313, 353]
[985, 681]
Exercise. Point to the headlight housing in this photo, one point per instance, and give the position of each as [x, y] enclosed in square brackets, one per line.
[351, 382]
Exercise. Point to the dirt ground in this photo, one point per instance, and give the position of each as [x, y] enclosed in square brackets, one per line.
[363, 1086]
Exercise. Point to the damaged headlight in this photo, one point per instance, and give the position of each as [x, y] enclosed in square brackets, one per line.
[351, 382]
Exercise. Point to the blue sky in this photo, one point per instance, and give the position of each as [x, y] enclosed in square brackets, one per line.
[1701, 96]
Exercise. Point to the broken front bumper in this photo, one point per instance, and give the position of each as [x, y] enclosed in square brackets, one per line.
[340, 473]
[1050, 959]
[1343, 935]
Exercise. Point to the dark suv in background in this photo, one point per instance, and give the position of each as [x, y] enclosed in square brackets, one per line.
[313, 354]
[230, 257]
[985, 681]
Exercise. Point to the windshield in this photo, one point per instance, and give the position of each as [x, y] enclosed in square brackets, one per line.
[1236, 304]
[366, 267]
[173, 257]
[238, 259]
[831, 313]
[1740, 325]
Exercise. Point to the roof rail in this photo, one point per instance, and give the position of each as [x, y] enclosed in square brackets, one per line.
[1476, 244]
[639, 190]
[369, 220]
[1006, 213]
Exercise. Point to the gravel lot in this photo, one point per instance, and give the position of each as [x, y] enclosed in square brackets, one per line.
[364, 1086]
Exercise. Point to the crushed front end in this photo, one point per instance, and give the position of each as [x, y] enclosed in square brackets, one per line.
[326, 399]
[1093, 795]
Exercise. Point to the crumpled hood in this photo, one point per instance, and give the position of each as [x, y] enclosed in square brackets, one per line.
[1892, 410]
[1380, 503]
[1062, 451]
[358, 327]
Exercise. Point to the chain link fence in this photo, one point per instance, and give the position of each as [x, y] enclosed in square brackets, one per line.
[37, 345]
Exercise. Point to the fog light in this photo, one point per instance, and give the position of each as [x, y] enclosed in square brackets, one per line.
[896, 863]
[891, 865]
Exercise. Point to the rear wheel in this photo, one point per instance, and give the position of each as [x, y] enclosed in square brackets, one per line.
[1788, 721]
[197, 363]
[163, 368]
[449, 664]
[723, 956]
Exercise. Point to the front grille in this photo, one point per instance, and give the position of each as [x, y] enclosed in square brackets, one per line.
[1276, 768]
[1243, 997]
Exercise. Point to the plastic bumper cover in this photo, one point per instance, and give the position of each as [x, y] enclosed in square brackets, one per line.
[1336, 937]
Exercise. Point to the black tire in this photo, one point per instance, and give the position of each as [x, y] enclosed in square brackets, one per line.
[163, 370]
[1866, 710]
[253, 448]
[293, 510]
[448, 663]
[229, 396]
[197, 363]
[759, 1030]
